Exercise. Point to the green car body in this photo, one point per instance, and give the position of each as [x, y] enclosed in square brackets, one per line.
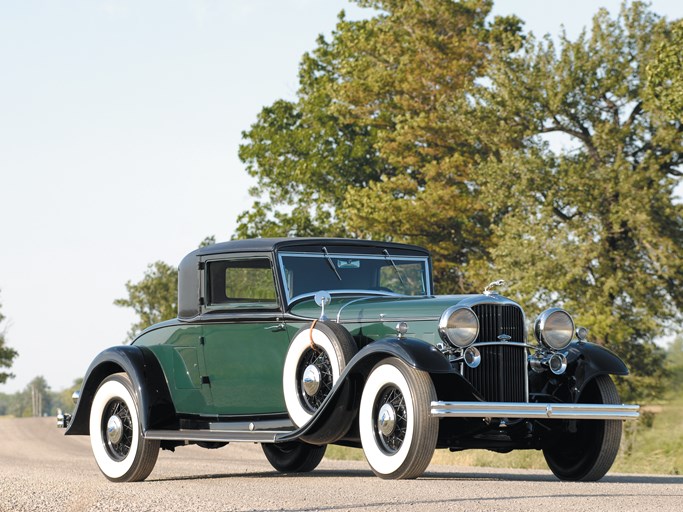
[299, 343]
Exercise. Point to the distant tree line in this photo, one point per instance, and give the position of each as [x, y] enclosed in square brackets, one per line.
[7, 354]
[37, 399]
[551, 165]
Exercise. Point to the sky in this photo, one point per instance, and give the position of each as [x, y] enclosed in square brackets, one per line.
[120, 122]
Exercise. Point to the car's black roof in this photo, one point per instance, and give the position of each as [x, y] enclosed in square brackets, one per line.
[188, 270]
[271, 244]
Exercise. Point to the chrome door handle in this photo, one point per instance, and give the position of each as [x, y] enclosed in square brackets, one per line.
[276, 328]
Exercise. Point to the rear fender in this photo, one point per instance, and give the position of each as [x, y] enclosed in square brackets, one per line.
[149, 385]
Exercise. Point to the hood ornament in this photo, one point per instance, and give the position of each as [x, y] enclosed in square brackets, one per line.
[489, 288]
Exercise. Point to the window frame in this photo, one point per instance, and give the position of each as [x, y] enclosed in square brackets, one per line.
[227, 307]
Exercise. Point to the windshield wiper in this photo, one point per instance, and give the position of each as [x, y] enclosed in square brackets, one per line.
[329, 260]
[391, 260]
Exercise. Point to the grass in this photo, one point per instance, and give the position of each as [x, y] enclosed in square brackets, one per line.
[651, 445]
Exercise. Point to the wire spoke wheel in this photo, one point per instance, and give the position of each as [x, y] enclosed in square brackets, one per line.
[121, 451]
[392, 419]
[397, 432]
[316, 363]
[315, 360]
[117, 429]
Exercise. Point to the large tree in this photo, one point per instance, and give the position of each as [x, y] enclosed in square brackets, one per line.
[377, 143]
[588, 220]
[7, 354]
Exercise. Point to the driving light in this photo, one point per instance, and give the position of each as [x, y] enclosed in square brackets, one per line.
[459, 326]
[554, 328]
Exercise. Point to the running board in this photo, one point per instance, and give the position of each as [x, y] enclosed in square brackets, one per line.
[534, 411]
[215, 436]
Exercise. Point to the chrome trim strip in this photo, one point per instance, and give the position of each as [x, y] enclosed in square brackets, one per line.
[348, 304]
[534, 410]
[215, 436]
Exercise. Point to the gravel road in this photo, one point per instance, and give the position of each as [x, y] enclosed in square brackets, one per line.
[41, 469]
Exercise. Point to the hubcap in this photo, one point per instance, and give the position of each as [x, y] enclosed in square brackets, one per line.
[114, 429]
[386, 420]
[311, 380]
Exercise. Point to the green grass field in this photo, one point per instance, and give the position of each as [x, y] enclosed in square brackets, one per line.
[653, 444]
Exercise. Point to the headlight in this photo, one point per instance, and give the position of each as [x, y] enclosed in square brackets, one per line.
[554, 328]
[459, 326]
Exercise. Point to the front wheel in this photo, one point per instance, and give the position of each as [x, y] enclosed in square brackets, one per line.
[121, 452]
[397, 432]
[294, 457]
[588, 450]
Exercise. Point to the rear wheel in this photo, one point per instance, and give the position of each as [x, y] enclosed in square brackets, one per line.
[397, 432]
[588, 451]
[294, 457]
[120, 451]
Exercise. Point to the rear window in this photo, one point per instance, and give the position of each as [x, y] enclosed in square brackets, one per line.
[242, 283]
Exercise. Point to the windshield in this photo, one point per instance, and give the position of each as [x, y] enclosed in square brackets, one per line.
[305, 273]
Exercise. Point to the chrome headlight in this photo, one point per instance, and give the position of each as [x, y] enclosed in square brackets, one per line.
[459, 326]
[554, 328]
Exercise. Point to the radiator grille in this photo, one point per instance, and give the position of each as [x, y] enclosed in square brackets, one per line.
[501, 376]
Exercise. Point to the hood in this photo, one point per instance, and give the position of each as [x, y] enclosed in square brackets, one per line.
[362, 309]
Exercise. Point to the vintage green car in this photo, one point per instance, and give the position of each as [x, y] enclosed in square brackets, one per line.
[297, 343]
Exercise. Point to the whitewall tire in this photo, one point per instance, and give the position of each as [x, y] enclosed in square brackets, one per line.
[309, 374]
[120, 451]
[397, 432]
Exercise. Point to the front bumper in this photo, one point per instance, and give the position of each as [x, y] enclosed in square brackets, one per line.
[534, 411]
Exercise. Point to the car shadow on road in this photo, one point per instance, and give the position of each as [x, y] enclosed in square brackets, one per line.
[623, 479]
[429, 475]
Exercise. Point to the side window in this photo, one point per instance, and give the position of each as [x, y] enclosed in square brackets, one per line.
[242, 284]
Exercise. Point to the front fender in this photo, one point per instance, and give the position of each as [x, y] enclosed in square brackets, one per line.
[149, 386]
[337, 412]
[587, 360]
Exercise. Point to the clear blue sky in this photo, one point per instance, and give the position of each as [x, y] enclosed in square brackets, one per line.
[119, 127]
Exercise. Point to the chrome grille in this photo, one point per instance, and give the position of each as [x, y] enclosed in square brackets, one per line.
[501, 376]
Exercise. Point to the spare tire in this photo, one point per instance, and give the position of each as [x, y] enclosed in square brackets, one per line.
[310, 372]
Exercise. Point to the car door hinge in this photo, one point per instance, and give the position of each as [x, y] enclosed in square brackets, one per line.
[201, 265]
[201, 340]
[201, 301]
[205, 379]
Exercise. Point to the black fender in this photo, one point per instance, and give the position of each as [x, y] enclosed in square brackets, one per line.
[334, 418]
[585, 362]
[149, 385]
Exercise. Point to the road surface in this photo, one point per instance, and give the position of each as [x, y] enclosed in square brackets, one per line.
[41, 469]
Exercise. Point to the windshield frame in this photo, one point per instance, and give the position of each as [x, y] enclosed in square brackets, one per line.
[425, 260]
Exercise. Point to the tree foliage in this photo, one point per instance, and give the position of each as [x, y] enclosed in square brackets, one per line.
[7, 354]
[155, 297]
[593, 226]
[377, 144]
[665, 72]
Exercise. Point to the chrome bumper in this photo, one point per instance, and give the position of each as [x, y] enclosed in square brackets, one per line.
[534, 411]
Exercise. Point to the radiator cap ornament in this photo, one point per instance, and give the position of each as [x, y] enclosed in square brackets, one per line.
[489, 288]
